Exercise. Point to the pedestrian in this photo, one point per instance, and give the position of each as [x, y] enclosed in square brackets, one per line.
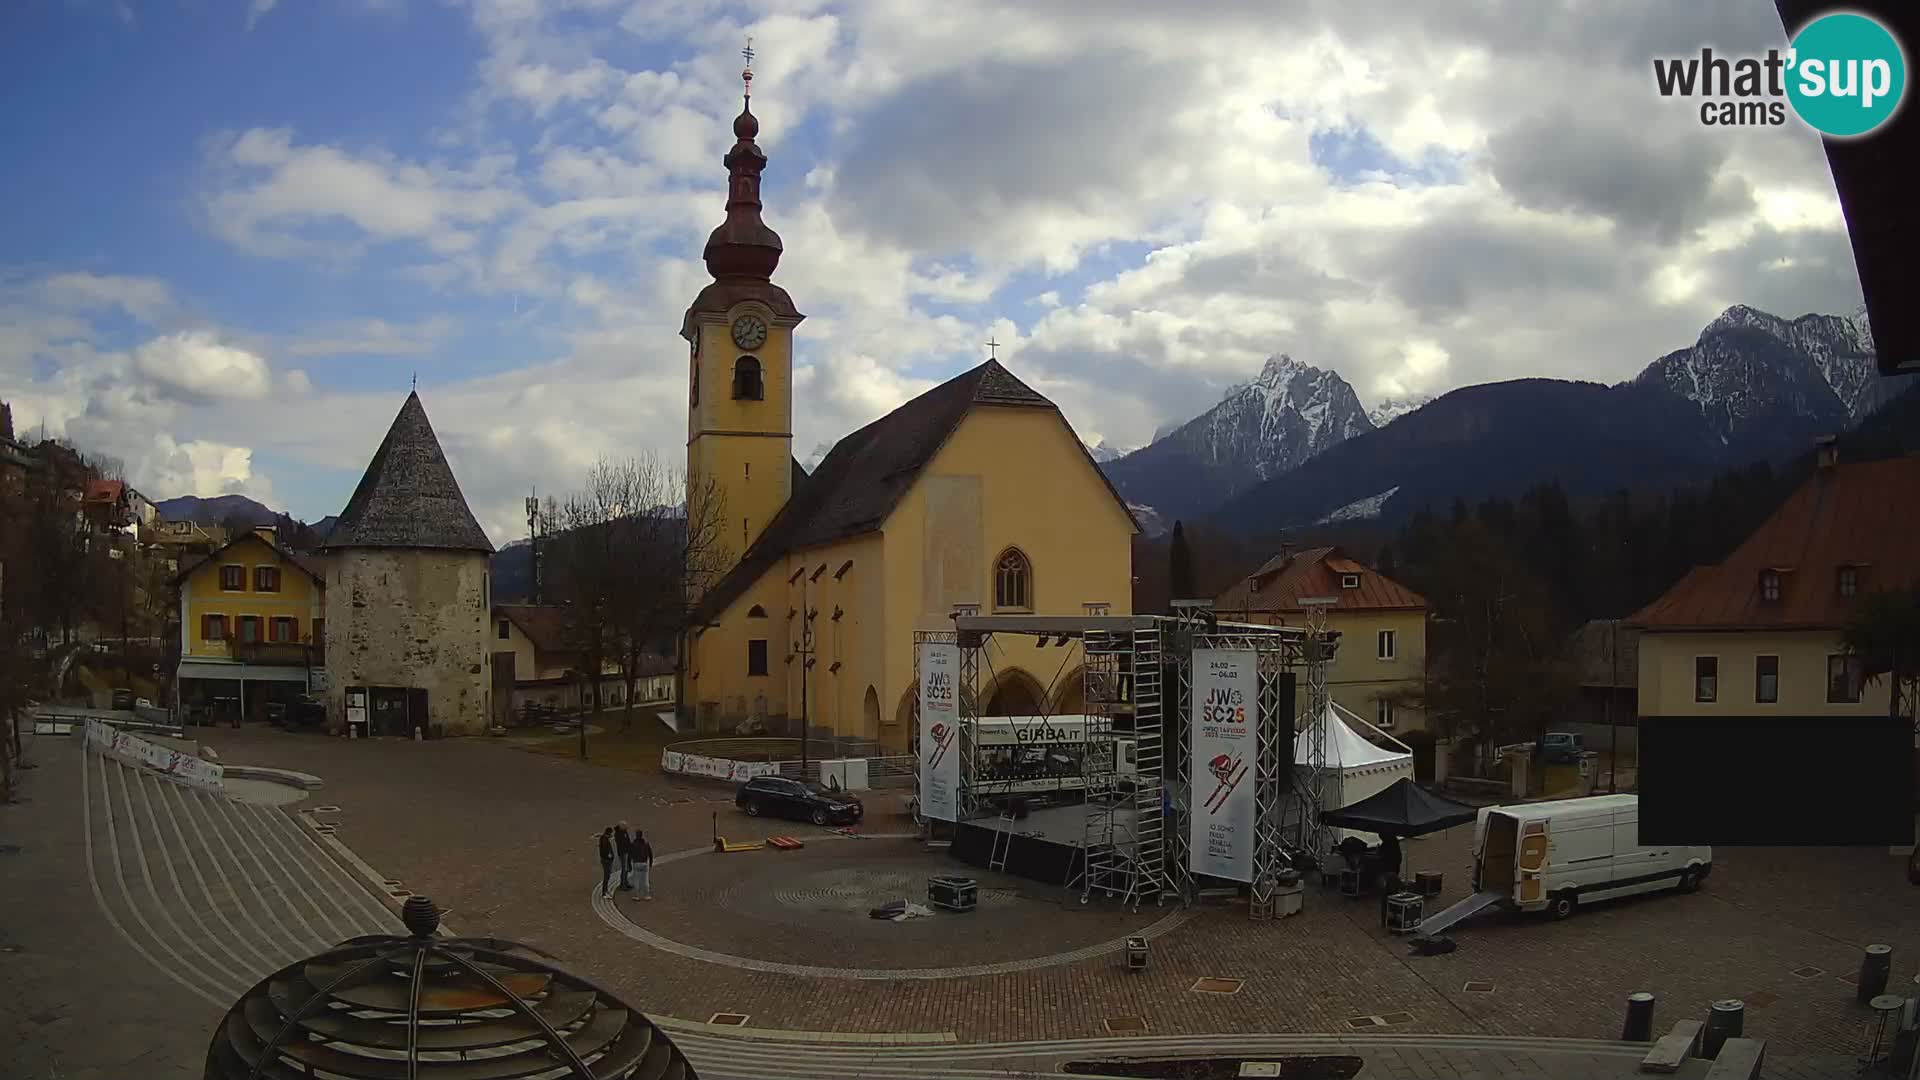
[607, 854]
[643, 864]
[623, 844]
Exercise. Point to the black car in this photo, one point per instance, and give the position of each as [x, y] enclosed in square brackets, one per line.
[776, 796]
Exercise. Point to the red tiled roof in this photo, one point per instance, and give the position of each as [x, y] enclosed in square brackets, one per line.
[107, 491]
[1286, 578]
[544, 624]
[1866, 516]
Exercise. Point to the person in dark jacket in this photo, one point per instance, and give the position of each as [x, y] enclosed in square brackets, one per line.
[608, 853]
[623, 845]
[643, 864]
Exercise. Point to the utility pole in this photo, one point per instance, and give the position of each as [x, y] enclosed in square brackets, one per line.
[1613, 680]
[804, 650]
[533, 539]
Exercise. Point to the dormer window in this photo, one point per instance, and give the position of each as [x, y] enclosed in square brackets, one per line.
[1847, 582]
[1349, 581]
[747, 384]
[1769, 586]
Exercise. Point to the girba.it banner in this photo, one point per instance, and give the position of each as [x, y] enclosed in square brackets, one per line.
[1843, 74]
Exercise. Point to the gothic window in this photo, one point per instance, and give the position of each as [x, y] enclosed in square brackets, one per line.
[746, 380]
[1013, 581]
[756, 612]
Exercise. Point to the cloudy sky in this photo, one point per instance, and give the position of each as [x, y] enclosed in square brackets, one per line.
[235, 230]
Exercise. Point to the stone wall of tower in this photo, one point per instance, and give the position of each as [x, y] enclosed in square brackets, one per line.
[407, 617]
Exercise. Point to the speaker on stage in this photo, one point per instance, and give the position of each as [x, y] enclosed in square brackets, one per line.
[1283, 723]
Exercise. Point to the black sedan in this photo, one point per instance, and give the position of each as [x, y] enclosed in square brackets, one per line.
[776, 796]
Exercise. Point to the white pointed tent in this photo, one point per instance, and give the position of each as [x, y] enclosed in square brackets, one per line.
[1362, 767]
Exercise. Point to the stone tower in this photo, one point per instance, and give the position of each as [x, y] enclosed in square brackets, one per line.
[740, 331]
[407, 592]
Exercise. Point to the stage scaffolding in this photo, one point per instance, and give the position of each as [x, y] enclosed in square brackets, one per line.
[1139, 687]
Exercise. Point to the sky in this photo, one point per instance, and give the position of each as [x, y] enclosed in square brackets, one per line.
[234, 233]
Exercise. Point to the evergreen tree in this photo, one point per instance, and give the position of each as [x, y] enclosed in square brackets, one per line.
[1180, 565]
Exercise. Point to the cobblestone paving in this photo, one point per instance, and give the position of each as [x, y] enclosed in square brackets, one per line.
[506, 839]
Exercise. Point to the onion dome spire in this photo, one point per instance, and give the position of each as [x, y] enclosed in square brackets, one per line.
[743, 246]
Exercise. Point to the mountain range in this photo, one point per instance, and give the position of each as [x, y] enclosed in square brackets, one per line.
[1295, 449]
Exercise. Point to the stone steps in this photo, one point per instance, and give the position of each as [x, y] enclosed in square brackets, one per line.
[218, 893]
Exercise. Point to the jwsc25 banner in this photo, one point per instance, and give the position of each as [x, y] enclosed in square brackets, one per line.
[1226, 722]
[939, 730]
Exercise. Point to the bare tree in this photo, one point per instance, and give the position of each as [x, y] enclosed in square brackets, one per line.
[629, 554]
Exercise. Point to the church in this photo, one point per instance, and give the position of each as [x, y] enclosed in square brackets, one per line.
[975, 497]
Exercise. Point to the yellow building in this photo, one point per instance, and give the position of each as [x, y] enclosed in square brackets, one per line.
[534, 663]
[976, 495]
[1379, 668]
[1760, 633]
[252, 623]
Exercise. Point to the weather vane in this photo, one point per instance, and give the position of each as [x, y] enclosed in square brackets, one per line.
[746, 74]
[993, 349]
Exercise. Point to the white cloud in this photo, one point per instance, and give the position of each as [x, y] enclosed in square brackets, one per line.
[195, 363]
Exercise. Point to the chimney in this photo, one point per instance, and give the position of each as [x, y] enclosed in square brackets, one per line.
[1826, 452]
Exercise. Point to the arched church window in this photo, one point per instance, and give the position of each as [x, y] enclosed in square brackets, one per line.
[1013, 581]
[746, 380]
[756, 612]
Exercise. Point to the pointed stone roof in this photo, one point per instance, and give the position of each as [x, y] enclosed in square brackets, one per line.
[408, 497]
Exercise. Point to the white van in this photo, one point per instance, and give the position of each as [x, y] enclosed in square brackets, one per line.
[1555, 856]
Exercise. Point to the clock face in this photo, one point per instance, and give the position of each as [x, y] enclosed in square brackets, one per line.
[749, 332]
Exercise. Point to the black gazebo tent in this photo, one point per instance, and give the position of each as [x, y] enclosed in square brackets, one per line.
[1401, 810]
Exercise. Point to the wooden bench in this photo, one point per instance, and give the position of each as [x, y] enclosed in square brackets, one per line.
[1673, 1048]
[1739, 1059]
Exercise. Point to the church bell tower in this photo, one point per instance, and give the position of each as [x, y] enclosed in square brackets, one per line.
[739, 331]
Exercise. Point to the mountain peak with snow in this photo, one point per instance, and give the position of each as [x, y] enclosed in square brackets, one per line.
[1390, 409]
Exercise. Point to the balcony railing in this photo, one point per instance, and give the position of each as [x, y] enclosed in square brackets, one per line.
[284, 653]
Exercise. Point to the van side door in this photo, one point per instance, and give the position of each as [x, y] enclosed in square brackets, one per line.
[1582, 853]
[1638, 867]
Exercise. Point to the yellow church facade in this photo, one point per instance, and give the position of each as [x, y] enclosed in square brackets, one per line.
[975, 496]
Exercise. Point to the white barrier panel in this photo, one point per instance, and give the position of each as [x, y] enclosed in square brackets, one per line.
[715, 768]
[107, 739]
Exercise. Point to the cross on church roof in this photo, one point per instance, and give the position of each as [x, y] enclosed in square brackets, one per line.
[993, 349]
[746, 74]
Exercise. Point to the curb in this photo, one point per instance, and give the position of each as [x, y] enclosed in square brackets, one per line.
[356, 866]
[304, 781]
[675, 1025]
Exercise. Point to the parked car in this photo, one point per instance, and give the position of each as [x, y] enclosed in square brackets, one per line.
[1561, 855]
[776, 796]
[304, 711]
[123, 699]
[1561, 747]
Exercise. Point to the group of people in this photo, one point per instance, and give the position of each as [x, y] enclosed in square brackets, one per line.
[629, 853]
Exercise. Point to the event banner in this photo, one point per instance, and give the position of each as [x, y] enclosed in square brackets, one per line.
[111, 741]
[939, 730]
[1226, 720]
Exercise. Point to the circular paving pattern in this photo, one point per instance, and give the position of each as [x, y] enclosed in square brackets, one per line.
[804, 913]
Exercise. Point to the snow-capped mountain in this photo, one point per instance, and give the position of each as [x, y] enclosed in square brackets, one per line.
[1260, 429]
[1766, 384]
[1104, 451]
[1392, 408]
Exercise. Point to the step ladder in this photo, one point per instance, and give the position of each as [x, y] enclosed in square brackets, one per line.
[1002, 843]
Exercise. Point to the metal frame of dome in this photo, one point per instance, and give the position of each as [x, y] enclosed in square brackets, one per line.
[423, 1007]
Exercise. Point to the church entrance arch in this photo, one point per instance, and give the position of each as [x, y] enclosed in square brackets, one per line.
[870, 714]
[1070, 697]
[1014, 693]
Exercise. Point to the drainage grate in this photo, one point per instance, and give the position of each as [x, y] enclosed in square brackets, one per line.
[1761, 999]
[1126, 1025]
[1397, 1018]
[1809, 972]
[1364, 1021]
[1478, 986]
[1208, 984]
[729, 1019]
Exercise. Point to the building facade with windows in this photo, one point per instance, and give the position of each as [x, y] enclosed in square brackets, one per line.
[1760, 633]
[1379, 669]
[252, 629]
[976, 496]
[535, 664]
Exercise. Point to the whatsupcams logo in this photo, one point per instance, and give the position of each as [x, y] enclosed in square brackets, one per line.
[1843, 75]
